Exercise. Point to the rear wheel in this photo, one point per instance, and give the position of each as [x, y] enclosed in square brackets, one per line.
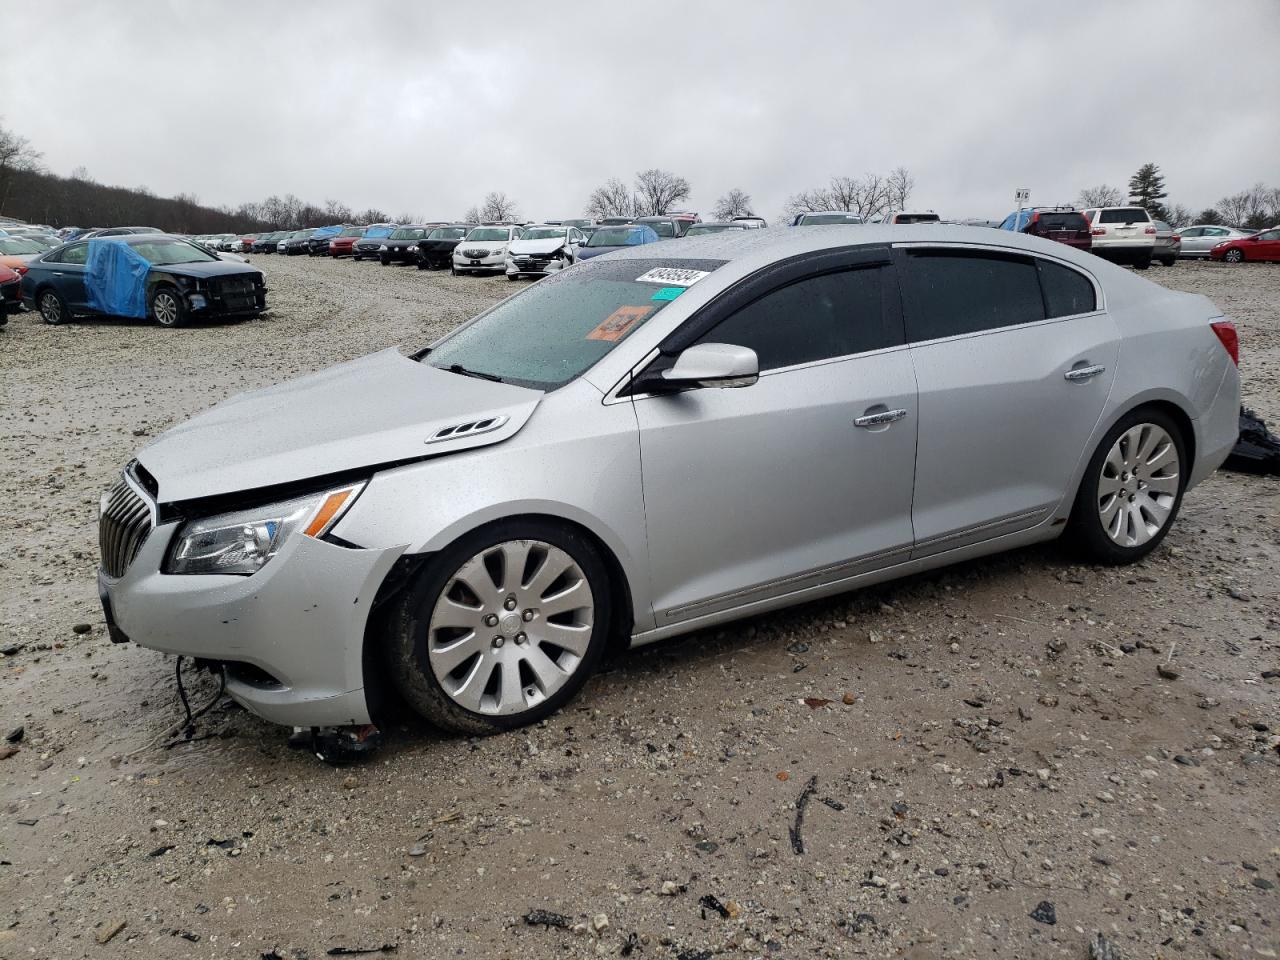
[1169, 261]
[167, 308]
[1234, 256]
[1143, 264]
[502, 628]
[1132, 489]
[53, 309]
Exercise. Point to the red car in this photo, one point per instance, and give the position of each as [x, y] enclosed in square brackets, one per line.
[1260, 246]
[10, 293]
[343, 243]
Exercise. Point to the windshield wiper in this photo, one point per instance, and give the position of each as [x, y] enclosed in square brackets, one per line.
[459, 368]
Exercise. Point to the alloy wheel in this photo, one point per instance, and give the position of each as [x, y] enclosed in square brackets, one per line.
[50, 307]
[1233, 256]
[165, 307]
[510, 627]
[1139, 485]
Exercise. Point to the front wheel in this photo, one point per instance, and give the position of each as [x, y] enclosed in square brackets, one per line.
[1234, 256]
[1131, 490]
[502, 628]
[167, 308]
[53, 309]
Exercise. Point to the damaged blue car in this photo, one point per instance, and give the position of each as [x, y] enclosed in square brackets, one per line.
[147, 276]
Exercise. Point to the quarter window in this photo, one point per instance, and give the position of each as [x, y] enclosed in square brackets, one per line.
[955, 292]
[830, 315]
[1066, 291]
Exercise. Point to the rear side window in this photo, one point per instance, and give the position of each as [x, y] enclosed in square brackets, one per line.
[955, 292]
[1066, 291]
[1124, 215]
[74, 254]
[830, 315]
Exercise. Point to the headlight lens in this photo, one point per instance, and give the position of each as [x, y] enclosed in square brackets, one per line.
[382, 247]
[241, 543]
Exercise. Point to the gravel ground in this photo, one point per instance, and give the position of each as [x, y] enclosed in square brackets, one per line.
[983, 761]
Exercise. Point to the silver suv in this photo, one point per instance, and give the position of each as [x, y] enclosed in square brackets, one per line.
[656, 441]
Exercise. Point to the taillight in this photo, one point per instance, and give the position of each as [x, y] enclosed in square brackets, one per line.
[1150, 231]
[21, 269]
[1098, 232]
[1177, 238]
[1226, 331]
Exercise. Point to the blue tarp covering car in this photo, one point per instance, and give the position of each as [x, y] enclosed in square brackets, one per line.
[1017, 220]
[327, 232]
[115, 278]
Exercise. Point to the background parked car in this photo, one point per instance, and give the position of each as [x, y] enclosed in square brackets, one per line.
[670, 225]
[899, 217]
[1065, 225]
[484, 249]
[366, 248]
[1168, 242]
[1199, 239]
[715, 226]
[607, 239]
[1124, 235]
[752, 222]
[117, 232]
[318, 242]
[158, 276]
[266, 243]
[1257, 246]
[543, 249]
[296, 243]
[402, 245]
[10, 293]
[825, 218]
[435, 250]
[17, 252]
[342, 244]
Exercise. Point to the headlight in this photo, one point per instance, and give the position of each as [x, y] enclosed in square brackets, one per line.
[499, 251]
[383, 247]
[241, 543]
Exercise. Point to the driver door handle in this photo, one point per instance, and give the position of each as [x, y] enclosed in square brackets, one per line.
[1084, 373]
[879, 419]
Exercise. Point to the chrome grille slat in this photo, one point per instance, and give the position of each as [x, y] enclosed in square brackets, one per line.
[123, 527]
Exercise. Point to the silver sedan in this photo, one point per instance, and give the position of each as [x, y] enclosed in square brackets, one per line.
[654, 442]
[1198, 240]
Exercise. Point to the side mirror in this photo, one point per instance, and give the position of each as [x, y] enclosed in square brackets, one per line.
[704, 365]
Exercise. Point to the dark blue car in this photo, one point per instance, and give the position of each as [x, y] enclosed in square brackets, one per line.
[156, 276]
[608, 239]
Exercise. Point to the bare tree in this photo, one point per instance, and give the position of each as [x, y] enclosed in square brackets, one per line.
[498, 206]
[409, 218]
[612, 199]
[1249, 207]
[658, 190]
[372, 215]
[472, 215]
[336, 212]
[867, 195]
[735, 203]
[809, 201]
[16, 154]
[1179, 216]
[898, 187]
[1102, 195]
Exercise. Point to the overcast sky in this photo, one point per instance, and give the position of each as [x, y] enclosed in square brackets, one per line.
[424, 107]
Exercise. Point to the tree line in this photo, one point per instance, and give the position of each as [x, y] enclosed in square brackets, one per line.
[1254, 208]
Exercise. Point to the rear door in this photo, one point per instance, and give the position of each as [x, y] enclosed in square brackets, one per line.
[68, 275]
[801, 479]
[1014, 359]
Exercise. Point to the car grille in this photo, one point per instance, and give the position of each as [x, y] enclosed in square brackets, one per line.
[539, 262]
[237, 293]
[123, 527]
[476, 254]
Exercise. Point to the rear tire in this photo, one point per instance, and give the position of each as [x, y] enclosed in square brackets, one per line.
[475, 663]
[1132, 489]
[53, 309]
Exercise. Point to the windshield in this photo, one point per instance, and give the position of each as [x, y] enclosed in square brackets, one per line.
[163, 252]
[916, 218]
[489, 233]
[405, 233]
[700, 228]
[352, 232]
[18, 245]
[577, 223]
[544, 233]
[616, 237]
[663, 228]
[819, 218]
[447, 233]
[378, 232]
[562, 325]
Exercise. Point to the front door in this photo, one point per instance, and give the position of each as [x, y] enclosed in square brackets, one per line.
[801, 479]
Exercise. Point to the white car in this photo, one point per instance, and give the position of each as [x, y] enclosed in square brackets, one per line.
[1124, 235]
[543, 249]
[485, 249]
[899, 217]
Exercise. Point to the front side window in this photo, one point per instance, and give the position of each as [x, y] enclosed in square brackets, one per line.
[956, 292]
[817, 318]
[563, 325]
[161, 253]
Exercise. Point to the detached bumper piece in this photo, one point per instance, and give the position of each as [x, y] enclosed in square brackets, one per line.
[1257, 450]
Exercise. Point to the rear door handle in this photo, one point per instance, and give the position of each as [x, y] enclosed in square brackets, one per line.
[1084, 373]
[879, 419]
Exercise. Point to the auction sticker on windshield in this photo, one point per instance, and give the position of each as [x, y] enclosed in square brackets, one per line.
[672, 276]
[616, 325]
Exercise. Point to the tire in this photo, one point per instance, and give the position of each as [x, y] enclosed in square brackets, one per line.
[453, 271]
[421, 265]
[461, 679]
[166, 307]
[1101, 525]
[356, 258]
[513, 277]
[53, 309]
[1142, 264]
[1234, 256]
[384, 260]
[1169, 261]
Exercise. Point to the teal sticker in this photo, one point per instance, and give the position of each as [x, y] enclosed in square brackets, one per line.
[668, 293]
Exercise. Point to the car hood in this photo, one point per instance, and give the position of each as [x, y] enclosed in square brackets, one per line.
[438, 244]
[537, 246]
[586, 253]
[369, 412]
[218, 268]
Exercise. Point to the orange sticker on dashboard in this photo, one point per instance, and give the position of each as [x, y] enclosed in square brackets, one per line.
[618, 323]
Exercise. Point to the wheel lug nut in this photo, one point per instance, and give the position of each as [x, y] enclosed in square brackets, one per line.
[491, 620]
[528, 615]
[497, 642]
[510, 603]
[521, 638]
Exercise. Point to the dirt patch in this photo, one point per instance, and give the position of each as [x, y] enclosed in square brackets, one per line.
[983, 761]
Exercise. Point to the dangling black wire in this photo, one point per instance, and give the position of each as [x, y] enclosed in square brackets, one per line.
[189, 724]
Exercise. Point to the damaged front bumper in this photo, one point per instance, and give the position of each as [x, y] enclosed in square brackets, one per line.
[291, 635]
